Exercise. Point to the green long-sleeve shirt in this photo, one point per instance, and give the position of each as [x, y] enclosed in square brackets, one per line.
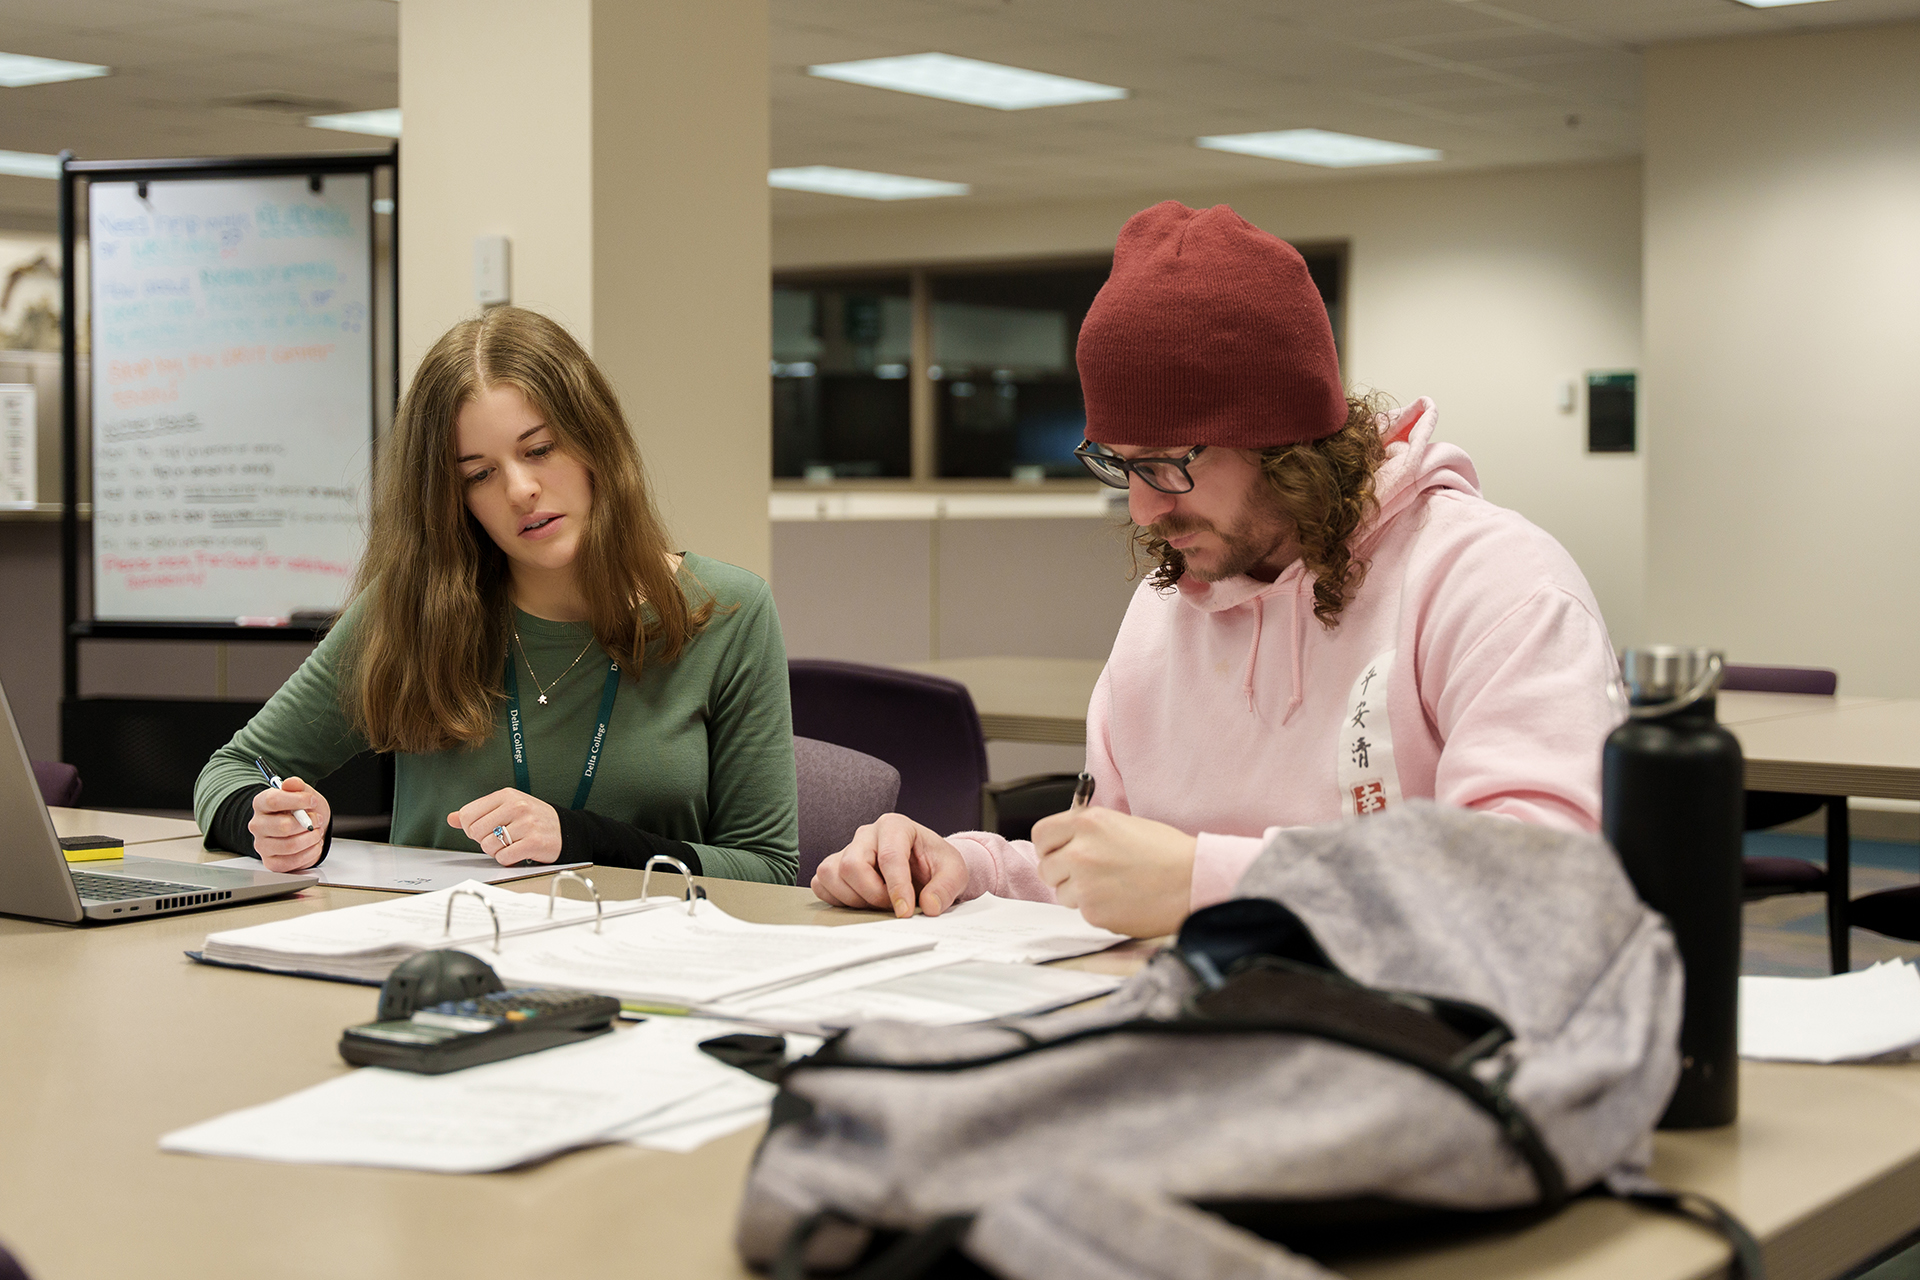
[699, 751]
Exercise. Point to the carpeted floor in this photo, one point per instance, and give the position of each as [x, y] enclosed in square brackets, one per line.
[1787, 936]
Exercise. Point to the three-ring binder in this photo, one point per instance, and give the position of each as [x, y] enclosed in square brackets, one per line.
[599, 912]
[447, 931]
[694, 891]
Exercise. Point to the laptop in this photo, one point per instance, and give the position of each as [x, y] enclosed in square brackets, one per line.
[36, 880]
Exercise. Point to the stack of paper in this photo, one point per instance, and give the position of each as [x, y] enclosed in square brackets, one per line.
[650, 1084]
[928, 987]
[691, 958]
[1850, 1017]
[1005, 929]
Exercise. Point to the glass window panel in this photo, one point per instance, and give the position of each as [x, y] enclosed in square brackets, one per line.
[1007, 398]
[841, 349]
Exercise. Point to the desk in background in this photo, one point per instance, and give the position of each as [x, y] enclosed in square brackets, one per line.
[115, 1038]
[134, 828]
[1846, 745]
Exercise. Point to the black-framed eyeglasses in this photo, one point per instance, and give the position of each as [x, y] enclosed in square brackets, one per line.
[1168, 475]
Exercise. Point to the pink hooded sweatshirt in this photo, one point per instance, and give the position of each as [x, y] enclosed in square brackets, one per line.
[1471, 667]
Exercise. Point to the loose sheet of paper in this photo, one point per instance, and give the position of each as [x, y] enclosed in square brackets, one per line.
[734, 1101]
[483, 1118]
[362, 864]
[1849, 1017]
[1005, 929]
[930, 988]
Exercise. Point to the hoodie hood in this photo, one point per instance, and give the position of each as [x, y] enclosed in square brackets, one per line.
[1415, 464]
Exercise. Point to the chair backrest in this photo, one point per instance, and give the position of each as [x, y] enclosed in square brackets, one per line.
[1013, 807]
[841, 790]
[59, 783]
[1741, 677]
[923, 726]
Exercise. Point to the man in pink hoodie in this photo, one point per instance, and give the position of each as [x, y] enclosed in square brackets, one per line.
[1338, 622]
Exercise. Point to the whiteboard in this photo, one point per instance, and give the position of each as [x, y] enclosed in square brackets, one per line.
[232, 395]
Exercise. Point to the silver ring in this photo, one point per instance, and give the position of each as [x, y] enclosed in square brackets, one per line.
[506, 837]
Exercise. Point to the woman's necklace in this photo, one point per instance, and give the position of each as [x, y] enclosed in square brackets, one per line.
[536, 675]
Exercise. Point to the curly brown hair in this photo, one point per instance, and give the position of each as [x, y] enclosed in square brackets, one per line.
[1324, 489]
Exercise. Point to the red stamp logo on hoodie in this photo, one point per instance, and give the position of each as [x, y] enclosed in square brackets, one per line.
[1369, 797]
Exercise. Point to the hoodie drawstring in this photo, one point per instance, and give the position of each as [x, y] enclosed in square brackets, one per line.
[1253, 650]
[1299, 642]
[1297, 694]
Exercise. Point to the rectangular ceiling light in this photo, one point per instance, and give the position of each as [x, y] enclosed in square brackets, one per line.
[1774, 4]
[858, 183]
[25, 164]
[980, 84]
[384, 123]
[18, 70]
[1317, 146]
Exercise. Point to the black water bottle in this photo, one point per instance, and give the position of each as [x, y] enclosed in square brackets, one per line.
[1673, 805]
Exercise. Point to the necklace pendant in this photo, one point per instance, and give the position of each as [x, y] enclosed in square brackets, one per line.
[543, 699]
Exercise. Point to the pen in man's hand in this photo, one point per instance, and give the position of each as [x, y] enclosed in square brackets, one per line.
[273, 780]
[1082, 790]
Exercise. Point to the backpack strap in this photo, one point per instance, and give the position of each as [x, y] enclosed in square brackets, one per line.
[1748, 1264]
[908, 1257]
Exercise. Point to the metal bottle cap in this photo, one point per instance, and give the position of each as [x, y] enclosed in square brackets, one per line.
[1663, 678]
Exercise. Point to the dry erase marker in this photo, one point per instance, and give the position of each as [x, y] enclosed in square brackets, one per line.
[1082, 790]
[273, 780]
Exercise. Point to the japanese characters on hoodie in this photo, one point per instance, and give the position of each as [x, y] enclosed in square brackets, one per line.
[1470, 667]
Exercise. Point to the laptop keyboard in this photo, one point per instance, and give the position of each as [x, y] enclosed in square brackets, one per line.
[119, 888]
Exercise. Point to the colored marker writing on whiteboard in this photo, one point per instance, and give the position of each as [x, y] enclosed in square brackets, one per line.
[273, 780]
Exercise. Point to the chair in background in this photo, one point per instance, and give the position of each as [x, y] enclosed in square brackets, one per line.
[1772, 877]
[841, 790]
[924, 726]
[1013, 807]
[59, 783]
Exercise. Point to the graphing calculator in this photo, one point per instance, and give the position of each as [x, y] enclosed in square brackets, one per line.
[464, 1033]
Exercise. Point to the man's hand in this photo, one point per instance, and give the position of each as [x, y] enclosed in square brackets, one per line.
[282, 843]
[1128, 874]
[534, 825]
[893, 863]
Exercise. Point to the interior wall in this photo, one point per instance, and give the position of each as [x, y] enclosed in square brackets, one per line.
[1783, 331]
[1488, 292]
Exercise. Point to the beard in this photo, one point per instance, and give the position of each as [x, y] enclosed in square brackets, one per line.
[1259, 535]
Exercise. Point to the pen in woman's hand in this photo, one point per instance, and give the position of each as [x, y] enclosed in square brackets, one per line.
[1082, 790]
[273, 780]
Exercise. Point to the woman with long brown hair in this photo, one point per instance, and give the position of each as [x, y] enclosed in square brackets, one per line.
[553, 680]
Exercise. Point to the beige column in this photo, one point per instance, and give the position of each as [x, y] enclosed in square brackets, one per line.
[621, 145]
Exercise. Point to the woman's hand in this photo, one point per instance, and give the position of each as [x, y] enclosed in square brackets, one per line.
[282, 843]
[533, 824]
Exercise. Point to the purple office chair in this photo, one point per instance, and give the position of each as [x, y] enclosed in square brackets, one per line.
[59, 783]
[841, 790]
[1771, 877]
[924, 726]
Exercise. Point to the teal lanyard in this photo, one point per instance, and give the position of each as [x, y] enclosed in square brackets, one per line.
[518, 738]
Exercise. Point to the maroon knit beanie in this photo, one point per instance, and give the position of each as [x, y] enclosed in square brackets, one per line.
[1209, 331]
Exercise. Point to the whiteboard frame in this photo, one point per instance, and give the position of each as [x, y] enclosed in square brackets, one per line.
[72, 173]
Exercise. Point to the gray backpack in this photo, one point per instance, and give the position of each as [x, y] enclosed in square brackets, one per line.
[1426, 1013]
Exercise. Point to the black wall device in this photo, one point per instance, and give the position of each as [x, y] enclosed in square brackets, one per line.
[1610, 412]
